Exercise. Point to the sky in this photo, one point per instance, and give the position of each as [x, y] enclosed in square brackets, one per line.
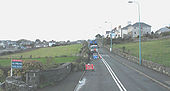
[63, 20]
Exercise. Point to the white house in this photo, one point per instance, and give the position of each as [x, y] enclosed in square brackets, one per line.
[126, 29]
[118, 32]
[145, 29]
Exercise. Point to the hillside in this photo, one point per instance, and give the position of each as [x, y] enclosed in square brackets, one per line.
[157, 51]
[59, 54]
[68, 50]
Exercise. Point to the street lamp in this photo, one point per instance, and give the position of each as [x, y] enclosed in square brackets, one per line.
[110, 35]
[140, 60]
[102, 40]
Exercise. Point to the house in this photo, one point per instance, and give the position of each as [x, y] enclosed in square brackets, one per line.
[125, 30]
[51, 43]
[107, 33]
[161, 30]
[2, 45]
[118, 32]
[134, 29]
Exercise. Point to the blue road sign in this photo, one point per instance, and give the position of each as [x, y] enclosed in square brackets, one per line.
[16, 64]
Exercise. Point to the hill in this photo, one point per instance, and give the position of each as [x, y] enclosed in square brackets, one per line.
[157, 50]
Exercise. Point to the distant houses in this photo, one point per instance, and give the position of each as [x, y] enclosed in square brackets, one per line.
[131, 30]
[24, 44]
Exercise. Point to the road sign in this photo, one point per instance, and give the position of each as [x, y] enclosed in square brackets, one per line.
[113, 34]
[16, 64]
[95, 56]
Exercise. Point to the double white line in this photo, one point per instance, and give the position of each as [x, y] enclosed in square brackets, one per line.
[115, 78]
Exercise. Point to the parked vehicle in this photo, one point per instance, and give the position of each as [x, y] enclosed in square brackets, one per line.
[94, 48]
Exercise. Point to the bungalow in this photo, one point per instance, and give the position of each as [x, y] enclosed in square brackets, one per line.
[161, 30]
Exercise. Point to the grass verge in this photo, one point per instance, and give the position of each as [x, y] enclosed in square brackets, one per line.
[157, 51]
[45, 61]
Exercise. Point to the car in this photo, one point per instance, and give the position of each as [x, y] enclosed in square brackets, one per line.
[94, 48]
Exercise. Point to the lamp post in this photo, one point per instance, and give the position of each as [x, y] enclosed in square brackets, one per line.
[102, 40]
[111, 41]
[140, 60]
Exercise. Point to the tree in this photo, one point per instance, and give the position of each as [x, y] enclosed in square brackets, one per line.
[68, 41]
[98, 36]
[37, 41]
[152, 32]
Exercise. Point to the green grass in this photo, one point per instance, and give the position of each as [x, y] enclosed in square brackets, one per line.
[53, 60]
[68, 50]
[5, 62]
[157, 51]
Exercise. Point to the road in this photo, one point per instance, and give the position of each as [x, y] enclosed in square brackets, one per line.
[113, 73]
[68, 84]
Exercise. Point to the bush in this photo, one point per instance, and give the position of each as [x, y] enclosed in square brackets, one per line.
[27, 65]
[165, 33]
[32, 65]
[63, 56]
[1, 75]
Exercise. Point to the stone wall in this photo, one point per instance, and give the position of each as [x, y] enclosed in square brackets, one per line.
[36, 77]
[16, 84]
[149, 64]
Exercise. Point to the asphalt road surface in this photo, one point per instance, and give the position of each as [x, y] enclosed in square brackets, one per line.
[113, 73]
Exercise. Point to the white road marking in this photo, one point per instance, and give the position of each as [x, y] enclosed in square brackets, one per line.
[80, 85]
[80, 81]
[115, 78]
[156, 81]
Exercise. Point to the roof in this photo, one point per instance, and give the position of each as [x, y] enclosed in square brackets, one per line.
[126, 27]
[164, 29]
[141, 23]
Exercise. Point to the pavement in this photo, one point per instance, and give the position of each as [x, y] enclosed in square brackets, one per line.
[114, 73]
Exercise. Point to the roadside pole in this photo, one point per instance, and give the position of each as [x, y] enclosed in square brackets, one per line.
[103, 40]
[11, 66]
[111, 41]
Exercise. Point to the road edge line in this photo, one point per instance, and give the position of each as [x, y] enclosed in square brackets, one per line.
[79, 80]
[156, 81]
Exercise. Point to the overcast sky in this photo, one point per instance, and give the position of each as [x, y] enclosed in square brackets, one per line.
[75, 19]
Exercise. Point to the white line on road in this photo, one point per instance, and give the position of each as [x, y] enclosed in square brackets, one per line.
[78, 86]
[115, 78]
[140, 72]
